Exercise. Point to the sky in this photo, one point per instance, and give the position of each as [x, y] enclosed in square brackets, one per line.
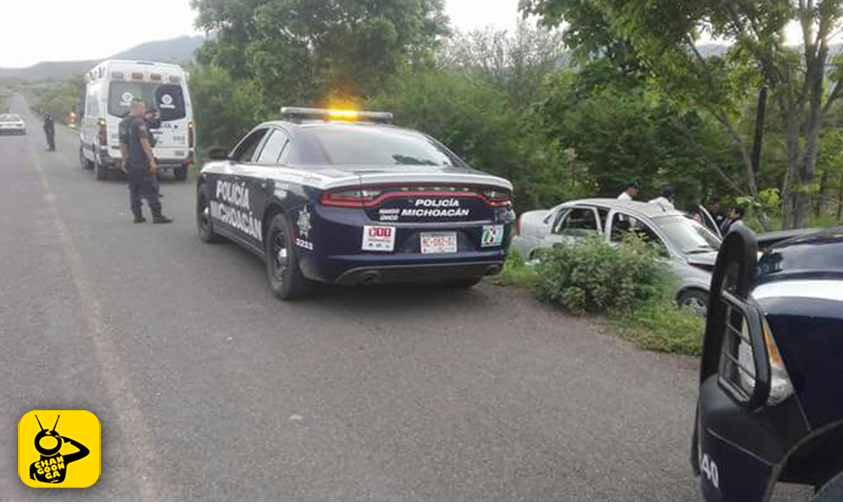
[63, 30]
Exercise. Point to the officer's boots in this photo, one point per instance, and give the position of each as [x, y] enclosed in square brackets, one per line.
[159, 218]
[139, 219]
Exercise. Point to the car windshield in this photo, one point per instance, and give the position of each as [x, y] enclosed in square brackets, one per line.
[687, 235]
[381, 146]
[9, 118]
[167, 99]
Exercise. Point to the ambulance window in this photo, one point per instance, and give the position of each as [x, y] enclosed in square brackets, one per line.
[169, 101]
[246, 150]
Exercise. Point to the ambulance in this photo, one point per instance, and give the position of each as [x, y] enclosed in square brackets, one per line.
[110, 88]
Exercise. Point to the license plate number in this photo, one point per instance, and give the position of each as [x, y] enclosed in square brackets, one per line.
[438, 243]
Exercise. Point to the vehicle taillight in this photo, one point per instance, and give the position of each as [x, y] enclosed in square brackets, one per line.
[190, 135]
[103, 132]
[351, 198]
[497, 197]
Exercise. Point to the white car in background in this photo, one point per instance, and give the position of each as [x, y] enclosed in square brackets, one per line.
[688, 247]
[12, 124]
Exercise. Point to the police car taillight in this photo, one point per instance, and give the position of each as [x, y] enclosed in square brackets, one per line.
[497, 197]
[351, 198]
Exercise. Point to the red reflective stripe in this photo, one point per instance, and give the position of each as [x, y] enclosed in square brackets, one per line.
[357, 202]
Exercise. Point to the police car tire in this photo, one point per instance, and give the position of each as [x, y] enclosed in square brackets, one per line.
[206, 232]
[463, 283]
[831, 491]
[694, 299]
[293, 284]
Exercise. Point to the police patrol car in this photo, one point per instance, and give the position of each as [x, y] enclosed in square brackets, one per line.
[343, 197]
[771, 384]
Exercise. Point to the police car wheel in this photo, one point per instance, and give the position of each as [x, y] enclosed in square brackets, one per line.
[282, 265]
[831, 491]
[463, 283]
[204, 224]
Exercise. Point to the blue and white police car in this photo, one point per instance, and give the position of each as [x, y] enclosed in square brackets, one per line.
[343, 197]
[770, 405]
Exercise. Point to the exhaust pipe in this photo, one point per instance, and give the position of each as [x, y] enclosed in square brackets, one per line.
[370, 278]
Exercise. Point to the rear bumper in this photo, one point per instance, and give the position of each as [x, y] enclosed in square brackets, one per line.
[12, 131]
[115, 163]
[366, 275]
[335, 250]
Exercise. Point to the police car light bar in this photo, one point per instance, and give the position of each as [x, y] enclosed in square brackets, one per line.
[337, 114]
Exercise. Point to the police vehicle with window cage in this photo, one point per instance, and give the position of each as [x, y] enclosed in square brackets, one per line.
[343, 197]
[771, 380]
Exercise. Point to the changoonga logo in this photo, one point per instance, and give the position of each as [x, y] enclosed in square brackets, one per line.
[66, 455]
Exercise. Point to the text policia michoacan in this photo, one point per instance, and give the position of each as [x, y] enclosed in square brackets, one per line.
[234, 209]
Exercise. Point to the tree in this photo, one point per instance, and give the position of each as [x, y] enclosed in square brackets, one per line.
[303, 51]
[516, 62]
[624, 132]
[476, 121]
[225, 109]
[661, 36]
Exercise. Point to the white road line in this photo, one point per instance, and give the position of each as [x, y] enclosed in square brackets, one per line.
[135, 438]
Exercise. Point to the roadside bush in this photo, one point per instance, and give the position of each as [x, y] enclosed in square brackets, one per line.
[592, 276]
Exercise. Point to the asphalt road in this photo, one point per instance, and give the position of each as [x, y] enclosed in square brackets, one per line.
[208, 388]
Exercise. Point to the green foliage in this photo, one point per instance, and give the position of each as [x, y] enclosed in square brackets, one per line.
[516, 273]
[300, 51]
[224, 109]
[661, 326]
[590, 275]
[623, 132]
[58, 98]
[475, 121]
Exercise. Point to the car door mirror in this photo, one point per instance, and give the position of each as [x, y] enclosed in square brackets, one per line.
[218, 154]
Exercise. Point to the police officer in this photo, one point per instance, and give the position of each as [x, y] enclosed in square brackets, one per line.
[50, 132]
[140, 165]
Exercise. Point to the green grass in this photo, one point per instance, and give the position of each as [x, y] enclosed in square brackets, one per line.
[515, 273]
[658, 325]
[821, 222]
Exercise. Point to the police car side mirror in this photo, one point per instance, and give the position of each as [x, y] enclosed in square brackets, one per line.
[218, 154]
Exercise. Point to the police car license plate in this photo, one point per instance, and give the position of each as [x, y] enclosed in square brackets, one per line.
[438, 243]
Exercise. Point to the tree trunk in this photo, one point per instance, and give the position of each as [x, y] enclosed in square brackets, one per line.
[792, 161]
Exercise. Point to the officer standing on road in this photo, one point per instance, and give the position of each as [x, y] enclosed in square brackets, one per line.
[140, 165]
[50, 132]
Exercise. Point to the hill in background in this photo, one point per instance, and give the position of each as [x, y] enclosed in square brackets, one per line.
[177, 50]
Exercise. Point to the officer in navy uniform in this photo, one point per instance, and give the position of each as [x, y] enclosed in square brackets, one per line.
[140, 165]
[50, 132]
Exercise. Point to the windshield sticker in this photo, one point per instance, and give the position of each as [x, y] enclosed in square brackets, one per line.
[492, 236]
[126, 98]
[167, 102]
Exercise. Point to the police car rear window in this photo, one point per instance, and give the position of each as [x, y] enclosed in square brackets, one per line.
[167, 99]
[380, 146]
